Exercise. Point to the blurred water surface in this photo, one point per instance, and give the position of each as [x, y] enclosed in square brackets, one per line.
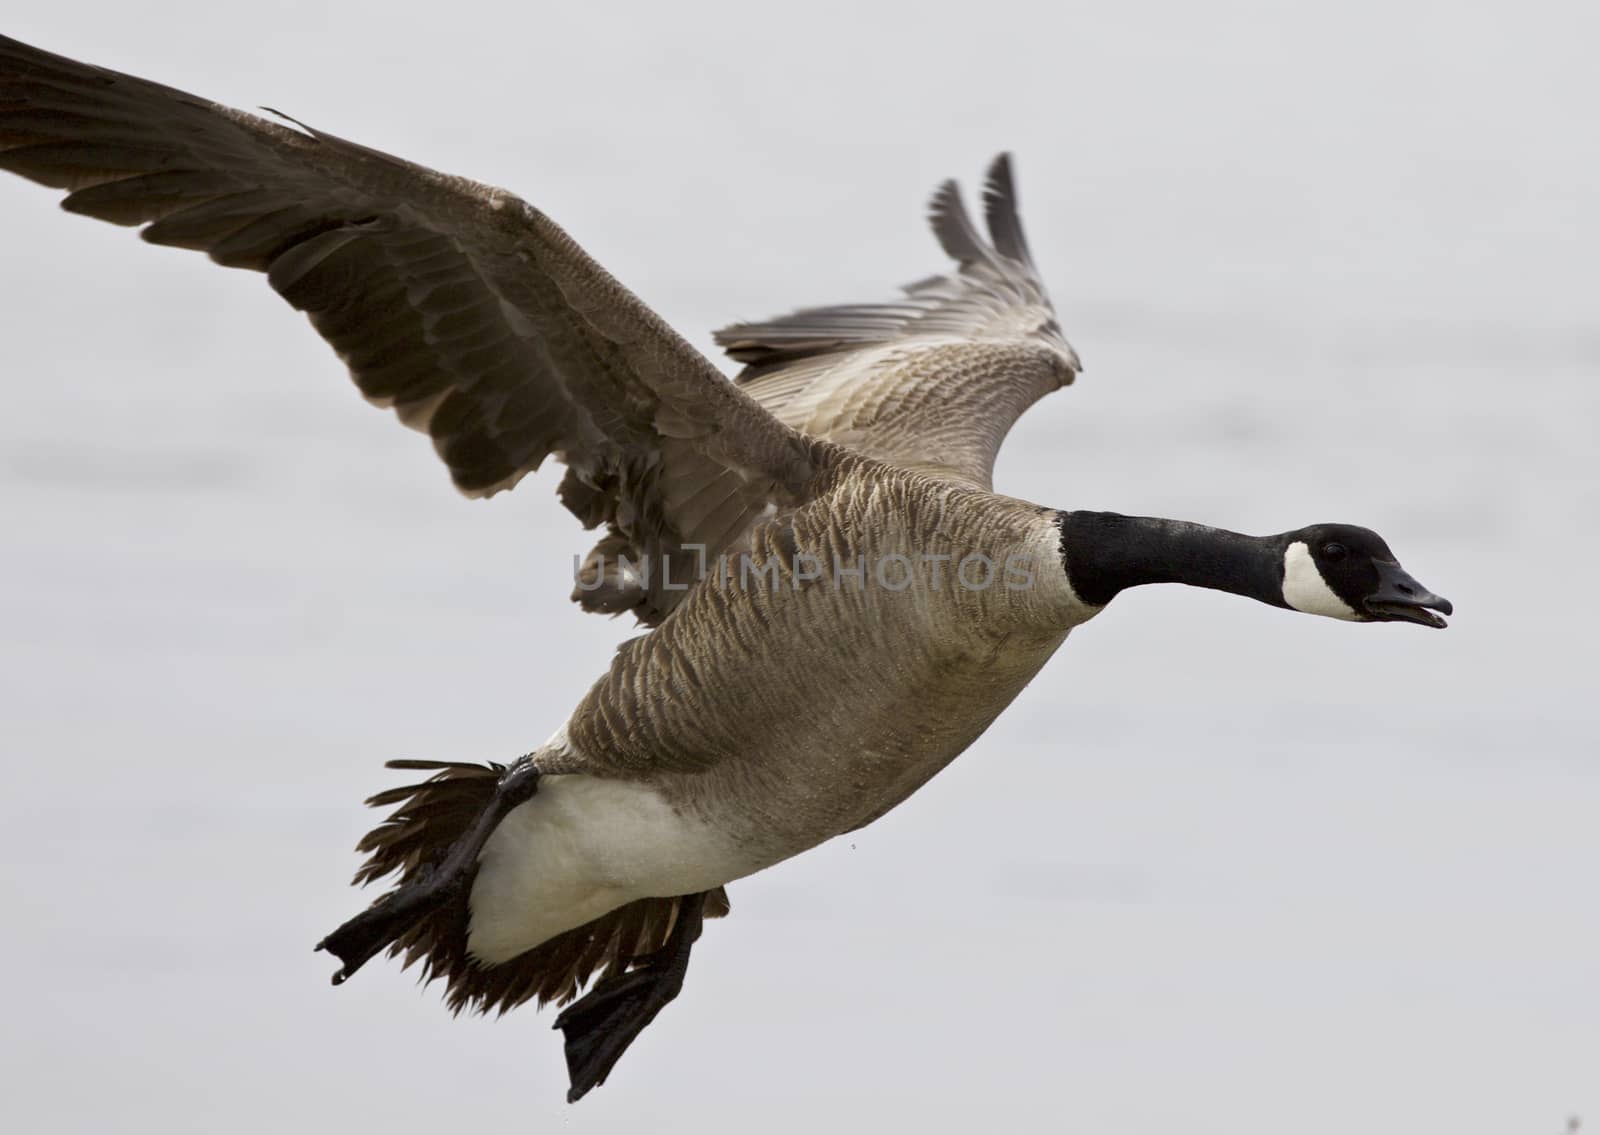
[1219, 869]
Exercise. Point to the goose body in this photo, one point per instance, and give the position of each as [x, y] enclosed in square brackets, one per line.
[765, 720]
[836, 602]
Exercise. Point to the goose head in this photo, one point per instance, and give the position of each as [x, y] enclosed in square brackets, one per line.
[1337, 570]
[1347, 572]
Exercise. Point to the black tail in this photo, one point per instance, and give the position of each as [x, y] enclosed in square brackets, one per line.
[431, 816]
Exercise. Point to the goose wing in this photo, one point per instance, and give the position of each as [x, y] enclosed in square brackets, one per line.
[462, 308]
[933, 380]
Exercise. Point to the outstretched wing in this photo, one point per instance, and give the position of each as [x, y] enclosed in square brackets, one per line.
[935, 380]
[470, 313]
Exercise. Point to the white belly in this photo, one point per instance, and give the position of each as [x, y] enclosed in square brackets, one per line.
[583, 846]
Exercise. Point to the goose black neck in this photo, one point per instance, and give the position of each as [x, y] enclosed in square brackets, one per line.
[1106, 552]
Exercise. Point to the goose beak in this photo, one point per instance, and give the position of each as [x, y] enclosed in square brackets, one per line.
[1401, 598]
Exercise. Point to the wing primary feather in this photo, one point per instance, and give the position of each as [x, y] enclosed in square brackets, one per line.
[310, 133]
[1000, 211]
[952, 224]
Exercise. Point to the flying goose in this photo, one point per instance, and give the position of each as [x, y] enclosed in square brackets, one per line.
[838, 602]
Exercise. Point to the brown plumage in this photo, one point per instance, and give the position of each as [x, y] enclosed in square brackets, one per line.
[752, 723]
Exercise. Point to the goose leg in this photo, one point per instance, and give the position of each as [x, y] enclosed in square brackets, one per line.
[601, 1025]
[365, 935]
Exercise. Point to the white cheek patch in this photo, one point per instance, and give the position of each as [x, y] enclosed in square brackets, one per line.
[1305, 590]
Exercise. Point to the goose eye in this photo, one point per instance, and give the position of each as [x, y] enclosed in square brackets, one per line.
[1334, 551]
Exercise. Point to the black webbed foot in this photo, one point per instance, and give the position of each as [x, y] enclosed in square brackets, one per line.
[601, 1025]
[366, 935]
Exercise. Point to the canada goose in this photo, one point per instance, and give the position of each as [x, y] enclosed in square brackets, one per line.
[840, 604]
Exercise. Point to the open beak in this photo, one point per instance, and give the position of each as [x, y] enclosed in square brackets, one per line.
[1401, 598]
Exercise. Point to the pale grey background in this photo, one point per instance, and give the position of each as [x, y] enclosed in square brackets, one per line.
[1220, 869]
